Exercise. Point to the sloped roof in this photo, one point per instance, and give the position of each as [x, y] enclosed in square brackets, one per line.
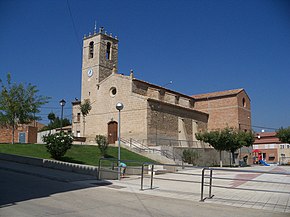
[163, 88]
[218, 94]
[266, 138]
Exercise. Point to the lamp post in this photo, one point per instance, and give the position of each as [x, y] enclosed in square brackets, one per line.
[62, 104]
[119, 107]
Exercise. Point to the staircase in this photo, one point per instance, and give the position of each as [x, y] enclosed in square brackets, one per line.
[154, 152]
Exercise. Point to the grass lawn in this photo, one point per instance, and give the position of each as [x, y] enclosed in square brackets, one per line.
[81, 154]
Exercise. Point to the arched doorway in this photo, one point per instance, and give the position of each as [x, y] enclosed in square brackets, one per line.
[112, 132]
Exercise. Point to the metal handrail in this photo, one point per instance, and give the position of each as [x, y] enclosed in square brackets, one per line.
[144, 148]
[211, 178]
[151, 176]
[210, 195]
[156, 164]
[114, 160]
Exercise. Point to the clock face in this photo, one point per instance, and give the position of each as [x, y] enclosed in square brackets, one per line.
[90, 72]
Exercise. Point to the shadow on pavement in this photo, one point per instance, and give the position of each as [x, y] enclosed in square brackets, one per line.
[16, 187]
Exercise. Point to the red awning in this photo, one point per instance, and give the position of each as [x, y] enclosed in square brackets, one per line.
[256, 151]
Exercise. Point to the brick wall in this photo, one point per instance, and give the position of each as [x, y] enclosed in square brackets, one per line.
[30, 134]
[6, 135]
[227, 111]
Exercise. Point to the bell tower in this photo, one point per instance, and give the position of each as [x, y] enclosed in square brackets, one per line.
[100, 60]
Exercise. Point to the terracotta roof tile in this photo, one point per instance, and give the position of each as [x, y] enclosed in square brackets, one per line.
[218, 94]
[266, 138]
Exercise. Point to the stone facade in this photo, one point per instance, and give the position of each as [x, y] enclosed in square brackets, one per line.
[152, 114]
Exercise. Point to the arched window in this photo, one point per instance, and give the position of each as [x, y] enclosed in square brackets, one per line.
[244, 103]
[108, 51]
[91, 50]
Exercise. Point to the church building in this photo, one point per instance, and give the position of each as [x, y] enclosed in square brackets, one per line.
[151, 114]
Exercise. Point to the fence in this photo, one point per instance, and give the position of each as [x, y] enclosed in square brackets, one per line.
[148, 168]
[174, 142]
[269, 181]
[173, 149]
[193, 182]
[109, 169]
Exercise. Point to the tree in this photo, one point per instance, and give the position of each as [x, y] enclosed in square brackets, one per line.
[51, 117]
[19, 104]
[227, 139]
[102, 144]
[85, 108]
[56, 123]
[215, 139]
[283, 134]
[239, 139]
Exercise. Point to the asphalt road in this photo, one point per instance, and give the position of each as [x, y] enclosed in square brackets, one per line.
[29, 195]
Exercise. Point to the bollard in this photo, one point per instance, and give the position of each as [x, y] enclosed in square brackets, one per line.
[210, 184]
[152, 172]
[202, 185]
[142, 175]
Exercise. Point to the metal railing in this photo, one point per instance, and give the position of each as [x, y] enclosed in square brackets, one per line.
[151, 176]
[112, 166]
[174, 143]
[206, 177]
[139, 147]
[211, 178]
[151, 167]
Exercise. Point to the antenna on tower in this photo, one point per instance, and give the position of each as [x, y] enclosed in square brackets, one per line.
[170, 82]
[95, 28]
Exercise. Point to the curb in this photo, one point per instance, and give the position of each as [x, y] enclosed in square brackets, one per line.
[52, 164]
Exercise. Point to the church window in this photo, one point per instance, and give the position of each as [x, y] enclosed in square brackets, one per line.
[191, 103]
[113, 91]
[78, 117]
[244, 102]
[108, 51]
[177, 99]
[91, 50]
[161, 94]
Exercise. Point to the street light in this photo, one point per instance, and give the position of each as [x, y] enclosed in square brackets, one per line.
[119, 107]
[62, 104]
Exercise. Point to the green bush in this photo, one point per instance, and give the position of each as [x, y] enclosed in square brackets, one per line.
[190, 156]
[57, 144]
[102, 144]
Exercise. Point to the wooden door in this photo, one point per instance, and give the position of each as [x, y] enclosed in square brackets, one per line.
[112, 132]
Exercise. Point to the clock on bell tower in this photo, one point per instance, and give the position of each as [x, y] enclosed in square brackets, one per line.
[100, 57]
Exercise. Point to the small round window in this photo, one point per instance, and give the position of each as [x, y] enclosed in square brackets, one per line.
[113, 91]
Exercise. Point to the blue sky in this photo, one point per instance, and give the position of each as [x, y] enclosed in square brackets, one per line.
[202, 46]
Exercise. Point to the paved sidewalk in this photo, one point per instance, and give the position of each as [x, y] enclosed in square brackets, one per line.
[188, 186]
[262, 196]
